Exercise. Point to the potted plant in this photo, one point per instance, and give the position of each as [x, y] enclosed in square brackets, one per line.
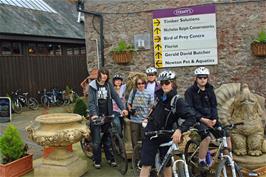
[258, 46]
[14, 160]
[123, 53]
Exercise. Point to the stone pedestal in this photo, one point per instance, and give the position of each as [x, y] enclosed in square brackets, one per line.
[61, 163]
[59, 131]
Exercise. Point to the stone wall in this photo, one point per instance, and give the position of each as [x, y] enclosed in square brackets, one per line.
[238, 22]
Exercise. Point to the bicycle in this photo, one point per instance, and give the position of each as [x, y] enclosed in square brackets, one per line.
[53, 97]
[18, 100]
[179, 166]
[217, 146]
[118, 146]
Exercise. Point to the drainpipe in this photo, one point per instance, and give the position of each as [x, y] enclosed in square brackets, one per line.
[80, 8]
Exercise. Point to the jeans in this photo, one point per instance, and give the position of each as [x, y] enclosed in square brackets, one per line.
[118, 123]
[101, 137]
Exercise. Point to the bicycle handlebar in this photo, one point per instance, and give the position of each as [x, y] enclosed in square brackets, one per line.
[159, 132]
[100, 120]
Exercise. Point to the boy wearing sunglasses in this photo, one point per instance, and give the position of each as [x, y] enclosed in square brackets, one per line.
[201, 97]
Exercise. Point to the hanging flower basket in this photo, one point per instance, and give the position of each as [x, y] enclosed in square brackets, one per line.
[122, 57]
[258, 49]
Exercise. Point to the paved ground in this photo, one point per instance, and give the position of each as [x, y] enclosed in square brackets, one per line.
[24, 119]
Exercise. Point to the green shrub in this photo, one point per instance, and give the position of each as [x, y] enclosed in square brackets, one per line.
[123, 47]
[12, 146]
[261, 37]
[80, 107]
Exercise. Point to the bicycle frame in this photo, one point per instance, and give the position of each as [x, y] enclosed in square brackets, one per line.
[170, 153]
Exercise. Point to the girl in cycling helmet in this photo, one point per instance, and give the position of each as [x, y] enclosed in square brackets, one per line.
[162, 118]
[120, 90]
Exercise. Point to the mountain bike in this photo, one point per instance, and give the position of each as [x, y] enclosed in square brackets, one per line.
[19, 100]
[118, 146]
[226, 165]
[179, 166]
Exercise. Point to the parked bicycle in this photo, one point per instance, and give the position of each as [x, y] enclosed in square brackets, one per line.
[179, 166]
[118, 146]
[54, 97]
[226, 165]
[19, 100]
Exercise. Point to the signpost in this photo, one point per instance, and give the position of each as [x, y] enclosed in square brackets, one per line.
[5, 109]
[185, 36]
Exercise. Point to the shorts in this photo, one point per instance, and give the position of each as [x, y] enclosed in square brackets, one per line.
[203, 133]
[151, 147]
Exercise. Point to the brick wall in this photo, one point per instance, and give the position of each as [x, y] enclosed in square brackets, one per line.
[238, 22]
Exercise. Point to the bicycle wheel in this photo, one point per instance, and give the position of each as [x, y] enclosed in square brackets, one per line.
[180, 169]
[119, 152]
[17, 106]
[191, 155]
[45, 101]
[86, 146]
[224, 170]
[33, 103]
[136, 157]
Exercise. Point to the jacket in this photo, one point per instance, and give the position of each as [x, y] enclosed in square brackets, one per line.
[162, 116]
[93, 108]
[204, 103]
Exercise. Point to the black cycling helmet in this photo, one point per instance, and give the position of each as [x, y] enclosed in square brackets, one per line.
[118, 76]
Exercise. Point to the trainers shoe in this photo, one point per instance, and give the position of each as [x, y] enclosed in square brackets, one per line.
[203, 166]
[112, 163]
[96, 165]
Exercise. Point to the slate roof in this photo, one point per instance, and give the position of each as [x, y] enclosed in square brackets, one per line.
[23, 21]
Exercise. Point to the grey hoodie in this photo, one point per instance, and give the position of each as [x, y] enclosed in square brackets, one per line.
[93, 102]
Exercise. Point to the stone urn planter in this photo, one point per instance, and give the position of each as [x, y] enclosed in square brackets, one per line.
[59, 130]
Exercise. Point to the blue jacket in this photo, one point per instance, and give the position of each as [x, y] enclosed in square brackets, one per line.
[93, 102]
[204, 103]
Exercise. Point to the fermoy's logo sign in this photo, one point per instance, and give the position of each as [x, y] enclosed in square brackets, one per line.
[183, 11]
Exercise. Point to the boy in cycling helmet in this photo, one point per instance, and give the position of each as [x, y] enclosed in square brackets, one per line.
[162, 117]
[152, 85]
[201, 97]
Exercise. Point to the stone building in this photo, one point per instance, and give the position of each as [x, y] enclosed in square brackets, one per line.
[237, 24]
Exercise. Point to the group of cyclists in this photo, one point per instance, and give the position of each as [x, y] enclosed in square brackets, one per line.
[153, 104]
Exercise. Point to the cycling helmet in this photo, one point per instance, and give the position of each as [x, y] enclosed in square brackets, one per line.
[118, 76]
[201, 71]
[151, 70]
[167, 75]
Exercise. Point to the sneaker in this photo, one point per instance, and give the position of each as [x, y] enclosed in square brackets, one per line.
[96, 165]
[112, 163]
[203, 166]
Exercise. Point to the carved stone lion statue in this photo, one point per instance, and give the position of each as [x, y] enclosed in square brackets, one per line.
[249, 138]
[237, 104]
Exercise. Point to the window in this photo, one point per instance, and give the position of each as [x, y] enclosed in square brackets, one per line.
[6, 48]
[10, 48]
[16, 48]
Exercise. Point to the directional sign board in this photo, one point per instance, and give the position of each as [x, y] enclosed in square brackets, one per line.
[185, 36]
[5, 109]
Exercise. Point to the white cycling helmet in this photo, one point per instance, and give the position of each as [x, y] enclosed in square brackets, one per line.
[167, 75]
[151, 70]
[201, 71]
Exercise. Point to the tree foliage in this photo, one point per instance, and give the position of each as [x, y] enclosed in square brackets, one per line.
[80, 107]
[12, 146]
